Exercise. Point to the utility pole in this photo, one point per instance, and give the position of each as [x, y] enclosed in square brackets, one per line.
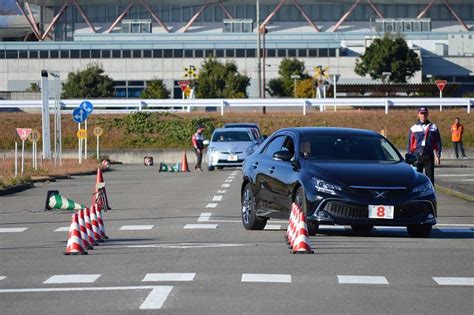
[259, 65]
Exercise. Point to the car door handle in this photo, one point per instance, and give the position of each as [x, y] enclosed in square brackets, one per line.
[255, 165]
[271, 169]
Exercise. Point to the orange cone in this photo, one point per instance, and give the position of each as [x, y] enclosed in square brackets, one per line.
[302, 245]
[184, 163]
[100, 195]
[291, 223]
[83, 230]
[74, 241]
[90, 233]
[95, 224]
[101, 224]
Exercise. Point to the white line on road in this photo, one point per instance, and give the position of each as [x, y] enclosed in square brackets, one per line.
[454, 280]
[200, 226]
[62, 229]
[272, 227]
[228, 181]
[136, 227]
[225, 185]
[211, 205]
[362, 280]
[13, 230]
[72, 279]
[186, 245]
[205, 216]
[149, 277]
[217, 198]
[156, 298]
[263, 277]
[221, 191]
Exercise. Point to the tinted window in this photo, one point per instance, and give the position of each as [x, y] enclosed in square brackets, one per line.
[115, 53]
[147, 54]
[126, 53]
[274, 146]
[229, 136]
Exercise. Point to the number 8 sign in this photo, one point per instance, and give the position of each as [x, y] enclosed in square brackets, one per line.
[381, 212]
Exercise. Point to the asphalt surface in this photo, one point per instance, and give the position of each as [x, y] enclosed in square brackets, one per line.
[176, 246]
[457, 175]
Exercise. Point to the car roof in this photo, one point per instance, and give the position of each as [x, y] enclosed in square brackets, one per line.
[243, 125]
[330, 130]
[246, 129]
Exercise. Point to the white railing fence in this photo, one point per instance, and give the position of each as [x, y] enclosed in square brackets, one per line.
[104, 106]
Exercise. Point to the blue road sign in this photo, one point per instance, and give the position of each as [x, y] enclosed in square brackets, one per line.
[87, 106]
[79, 115]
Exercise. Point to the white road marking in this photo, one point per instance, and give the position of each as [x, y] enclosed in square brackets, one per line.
[62, 229]
[228, 181]
[13, 230]
[156, 298]
[333, 227]
[362, 280]
[200, 226]
[72, 279]
[231, 177]
[272, 227]
[211, 205]
[221, 191]
[454, 280]
[136, 227]
[263, 277]
[225, 185]
[205, 216]
[186, 245]
[217, 198]
[149, 277]
[3, 277]
[466, 180]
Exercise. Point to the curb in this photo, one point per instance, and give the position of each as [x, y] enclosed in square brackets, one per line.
[16, 189]
[455, 193]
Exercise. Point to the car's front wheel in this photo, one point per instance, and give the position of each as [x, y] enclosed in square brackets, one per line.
[250, 220]
[300, 200]
[420, 230]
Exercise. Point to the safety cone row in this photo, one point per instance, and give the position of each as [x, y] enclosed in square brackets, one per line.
[298, 232]
[74, 242]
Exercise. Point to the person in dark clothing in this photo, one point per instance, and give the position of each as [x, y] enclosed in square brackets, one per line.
[198, 144]
[424, 141]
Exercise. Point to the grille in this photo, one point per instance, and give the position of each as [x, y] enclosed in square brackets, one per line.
[237, 152]
[230, 162]
[390, 193]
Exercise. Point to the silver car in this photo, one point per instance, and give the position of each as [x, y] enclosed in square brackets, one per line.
[229, 147]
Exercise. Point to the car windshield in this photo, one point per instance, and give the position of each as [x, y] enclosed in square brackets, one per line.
[229, 136]
[347, 147]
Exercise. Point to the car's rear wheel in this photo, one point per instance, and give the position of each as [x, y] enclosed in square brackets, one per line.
[210, 168]
[420, 230]
[361, 229]
[300, 200]
[250, 220]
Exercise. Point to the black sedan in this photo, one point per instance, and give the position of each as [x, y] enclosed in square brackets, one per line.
[338, 176]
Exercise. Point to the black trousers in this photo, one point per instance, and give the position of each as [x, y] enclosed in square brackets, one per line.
[459, 145]
[199, 158]
[426, 163]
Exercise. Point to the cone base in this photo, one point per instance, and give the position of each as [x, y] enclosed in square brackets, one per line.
[75, 253]
[303, 252]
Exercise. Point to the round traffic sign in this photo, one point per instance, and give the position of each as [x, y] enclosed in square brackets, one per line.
[79, 115]
[87, 106]
[34, 136]
[98, 131]
[81, 134]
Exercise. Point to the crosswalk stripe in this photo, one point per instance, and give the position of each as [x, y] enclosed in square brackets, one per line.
[217, 198]
[13, 230]
[225, 185]
[90, 278]
[211, 205]
[272, 227]
[149, 277]
[361, 280]
[205, 216]
[454, 280]
[135, 227]
[265, 277]
[156, 298]
[221, 191]
[62, 229]
[200, 226]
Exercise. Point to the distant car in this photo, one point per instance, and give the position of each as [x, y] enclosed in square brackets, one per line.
[338, 176]
[254, 127]
[229, 147]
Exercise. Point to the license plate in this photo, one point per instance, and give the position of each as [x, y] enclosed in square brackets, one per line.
[232, 157]
[381, 212]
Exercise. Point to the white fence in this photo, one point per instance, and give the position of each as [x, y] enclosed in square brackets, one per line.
[104, 106]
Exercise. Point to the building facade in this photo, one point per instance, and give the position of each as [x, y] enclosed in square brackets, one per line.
[138, 40]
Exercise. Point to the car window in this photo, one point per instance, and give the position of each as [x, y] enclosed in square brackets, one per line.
[274, 145]
[289, 146]
[230, 136]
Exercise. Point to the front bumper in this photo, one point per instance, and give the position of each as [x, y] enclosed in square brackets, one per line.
[225, 159]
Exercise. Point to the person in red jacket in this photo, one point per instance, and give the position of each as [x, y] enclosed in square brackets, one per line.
[457, 130]
[198, 144]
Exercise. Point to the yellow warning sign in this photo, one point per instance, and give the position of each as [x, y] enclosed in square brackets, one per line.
[81, 134]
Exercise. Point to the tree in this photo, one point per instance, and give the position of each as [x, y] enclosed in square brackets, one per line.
[155, 89]
[88, 83]
[218, 80]
[283, 86]
[388, 55]
[305, 89]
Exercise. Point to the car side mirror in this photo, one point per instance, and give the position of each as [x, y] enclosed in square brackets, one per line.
[411, 158]
[283, 155]
[205, 142]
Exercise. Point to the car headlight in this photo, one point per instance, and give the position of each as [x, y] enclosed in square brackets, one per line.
[249, 150]
[425, 189]
[211, 149]
[326, 187]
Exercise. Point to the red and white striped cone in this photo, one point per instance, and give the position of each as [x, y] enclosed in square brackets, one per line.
[74, 240]
[98, 213]
[302, 244]
[95, 224]
[294, 233]
[82, 228]
[291, 225]
[90, 232]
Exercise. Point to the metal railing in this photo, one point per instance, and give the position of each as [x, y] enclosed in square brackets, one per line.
[105, 106]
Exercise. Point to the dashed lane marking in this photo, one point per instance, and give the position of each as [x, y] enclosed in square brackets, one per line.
[221, 191]
[217, 198]
[273, 227]
[186, 245]
[13, 230]
[62, 229]
[225, 185]
[211, 205]
[205, 216]
[72, 279]
[268, 278]
[200, 226]
[156, 298]
[454, 280]
[228, 181]
[149, 277]
[361, 280]
[135, 227]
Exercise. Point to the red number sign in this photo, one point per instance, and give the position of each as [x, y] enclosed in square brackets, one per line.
[23, 133]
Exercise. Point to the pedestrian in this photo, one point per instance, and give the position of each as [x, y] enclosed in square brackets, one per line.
[198, 144]
[457, 130]
[424, 141]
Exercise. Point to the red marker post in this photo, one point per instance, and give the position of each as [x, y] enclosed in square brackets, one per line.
[23, 133]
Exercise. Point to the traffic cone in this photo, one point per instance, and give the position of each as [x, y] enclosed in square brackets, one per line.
[101, 224]
[83, 230]
[291, 225]
[74, 241]
[106, 165]
[95, 224]
[90, 232]
[302, 244]
[294, 232]
[100, 185]
[184, 163]
[55, 201]
[166, 168]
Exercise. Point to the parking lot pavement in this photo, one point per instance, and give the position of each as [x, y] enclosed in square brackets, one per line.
[457, 175]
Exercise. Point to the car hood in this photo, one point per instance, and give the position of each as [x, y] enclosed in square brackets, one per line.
[231, 147]
[373, 174]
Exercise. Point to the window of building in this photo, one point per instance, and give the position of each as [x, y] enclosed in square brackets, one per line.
[126, 53]
[323, 52]
[85, 53]
[106, 53]
[167, 53]
[251, 53]
[137, 53]
[116, 54]
[75, 53]
[44, 54]
[157, 53]
[64, 54]
[302, 53]
[198, 53]
[23, 54]
[54, 54]
[219, 53]
[95, 53]
[176, 13]
[147, 53]
[188, 53]
[229, 53]
[291, 52]
[11, 54]
[209, 53]
[281, 52]
[240, 53]
[271, 53]
[2, 54]
[312, 52]
[178, 53]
